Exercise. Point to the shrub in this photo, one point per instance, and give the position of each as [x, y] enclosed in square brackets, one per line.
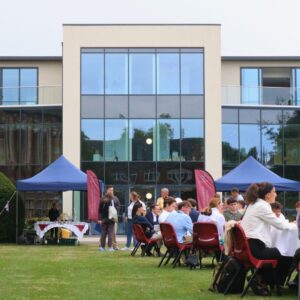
[8, 219]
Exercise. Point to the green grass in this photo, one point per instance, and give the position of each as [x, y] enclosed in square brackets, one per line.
[55, 272]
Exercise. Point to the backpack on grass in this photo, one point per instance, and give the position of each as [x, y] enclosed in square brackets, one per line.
[229, 272]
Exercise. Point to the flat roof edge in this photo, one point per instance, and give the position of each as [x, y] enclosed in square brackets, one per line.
[30, 58]
[142, 24]
[260, 58]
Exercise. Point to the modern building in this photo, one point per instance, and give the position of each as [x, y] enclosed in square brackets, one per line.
[143, 106]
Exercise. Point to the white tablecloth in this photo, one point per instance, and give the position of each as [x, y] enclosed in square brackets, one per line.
[79, 228]
[286, 241]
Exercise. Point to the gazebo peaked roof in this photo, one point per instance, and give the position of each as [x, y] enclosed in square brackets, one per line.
[61, 175]
[251, 171]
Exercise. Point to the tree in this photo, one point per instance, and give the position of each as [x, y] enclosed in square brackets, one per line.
[8, 218]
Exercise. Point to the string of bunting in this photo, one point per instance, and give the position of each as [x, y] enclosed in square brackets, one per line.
[6, 206]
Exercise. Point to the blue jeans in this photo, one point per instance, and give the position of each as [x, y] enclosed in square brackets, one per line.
[129, 233]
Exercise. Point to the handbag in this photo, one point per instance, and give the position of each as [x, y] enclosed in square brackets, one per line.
[112, 212]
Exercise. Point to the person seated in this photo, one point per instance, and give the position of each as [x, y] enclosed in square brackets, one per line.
[241, 206]
[194, 214]
[181, 221]
[169, 206]
[276, 208]
[164, 193]
[213, 214]
[232, 213]
[257, 222]
[153, 214]
[138, 217]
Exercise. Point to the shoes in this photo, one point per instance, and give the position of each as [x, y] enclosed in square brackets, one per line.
[111, 249]
[116, 248]
[125, 249]
[292, 285]
[258, 288]
[101, 249]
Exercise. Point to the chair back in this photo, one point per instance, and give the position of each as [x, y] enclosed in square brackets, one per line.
[240, 247]
[139, 233]
[169, 235]
[205, 236]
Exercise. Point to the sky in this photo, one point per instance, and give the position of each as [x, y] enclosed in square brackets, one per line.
[249, 28]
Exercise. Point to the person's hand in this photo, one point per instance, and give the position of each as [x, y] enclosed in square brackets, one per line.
[99, 222]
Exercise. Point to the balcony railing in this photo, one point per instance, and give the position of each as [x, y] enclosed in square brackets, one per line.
[30, 95]
[260, 95]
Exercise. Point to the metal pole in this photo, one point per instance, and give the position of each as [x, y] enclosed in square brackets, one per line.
[17, 213]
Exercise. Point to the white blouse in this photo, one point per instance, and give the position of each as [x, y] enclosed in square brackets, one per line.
[258, 220]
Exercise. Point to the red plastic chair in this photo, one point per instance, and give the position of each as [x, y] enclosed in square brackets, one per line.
[141, 238]
[206, 238]
[174, 249]
[241, 251]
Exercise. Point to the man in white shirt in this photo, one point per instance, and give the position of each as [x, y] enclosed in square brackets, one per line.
[169, 206]
[235, 194]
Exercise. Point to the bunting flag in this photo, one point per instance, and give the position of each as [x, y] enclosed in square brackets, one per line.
[93, 189]
[205, 188]
[6, 207]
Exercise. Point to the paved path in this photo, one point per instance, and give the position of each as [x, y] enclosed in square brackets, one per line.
[94, 239]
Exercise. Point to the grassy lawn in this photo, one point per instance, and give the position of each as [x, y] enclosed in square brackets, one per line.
[53, 272]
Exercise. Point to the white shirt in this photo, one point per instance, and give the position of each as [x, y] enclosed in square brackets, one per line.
[239, 197]
[163, 216]
[130, 207]
[258, 220]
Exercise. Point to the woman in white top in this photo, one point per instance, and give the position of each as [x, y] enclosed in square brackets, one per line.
[257, 222]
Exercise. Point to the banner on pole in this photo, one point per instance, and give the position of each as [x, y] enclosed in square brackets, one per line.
[93, 189]
[205, 188]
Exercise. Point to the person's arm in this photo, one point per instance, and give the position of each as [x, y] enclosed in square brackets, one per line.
[298, 223]
[266, 214]
[189, 224]
[144, 221]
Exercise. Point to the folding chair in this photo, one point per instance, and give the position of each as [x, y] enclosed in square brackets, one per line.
[141, 238]
[241, 251]
[174, 249]
[206, 238]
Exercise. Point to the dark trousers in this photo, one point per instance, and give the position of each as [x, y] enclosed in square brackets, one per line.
[260, 251]
[107, 229]
[54, 233]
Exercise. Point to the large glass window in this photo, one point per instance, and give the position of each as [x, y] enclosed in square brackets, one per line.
[92, 136]
[168, 140]
[28, 84]
[116, 73]
[142, 140]
[192, 140]
[10, 84]
[168, 106]
[141, 73]
[92, 73]
[116, 140]
[192, 73]
[249, 141]
[230, 143]
[168, 73]
[251, 85]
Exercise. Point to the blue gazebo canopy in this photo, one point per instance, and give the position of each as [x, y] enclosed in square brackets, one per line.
[61, 175]
[251, 171]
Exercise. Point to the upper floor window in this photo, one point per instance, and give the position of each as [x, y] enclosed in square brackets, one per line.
[160, 71]
[18, 86]
[270, 86]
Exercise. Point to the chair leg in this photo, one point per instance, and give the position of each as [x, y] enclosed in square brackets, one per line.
[177, 259]
[169, 257]
[163, 259]
[249, 283]
[299, 284]
[276, 283]
[136, 247]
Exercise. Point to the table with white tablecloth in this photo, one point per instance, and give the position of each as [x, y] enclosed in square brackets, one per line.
[286, 241]
[78, 228]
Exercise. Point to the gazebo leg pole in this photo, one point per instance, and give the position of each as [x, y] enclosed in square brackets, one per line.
[17, 215]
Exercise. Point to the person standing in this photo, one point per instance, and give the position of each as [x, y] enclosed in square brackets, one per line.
[110, 191]
[164, 193]
[107, 225]
[53, 216]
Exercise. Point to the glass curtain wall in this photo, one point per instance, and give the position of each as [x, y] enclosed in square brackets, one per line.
[142, 118]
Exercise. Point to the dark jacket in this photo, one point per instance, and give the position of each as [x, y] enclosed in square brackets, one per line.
[53, 214]
[147, 226]
[194, 214]
[149, 217]
[103, 210]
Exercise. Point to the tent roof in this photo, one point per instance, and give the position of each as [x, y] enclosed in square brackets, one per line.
[251, 171]
[61, 175]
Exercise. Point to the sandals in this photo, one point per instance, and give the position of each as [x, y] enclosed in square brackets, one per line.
[259, 288]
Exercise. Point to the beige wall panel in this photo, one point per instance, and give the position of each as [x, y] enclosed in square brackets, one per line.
[206, 36]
